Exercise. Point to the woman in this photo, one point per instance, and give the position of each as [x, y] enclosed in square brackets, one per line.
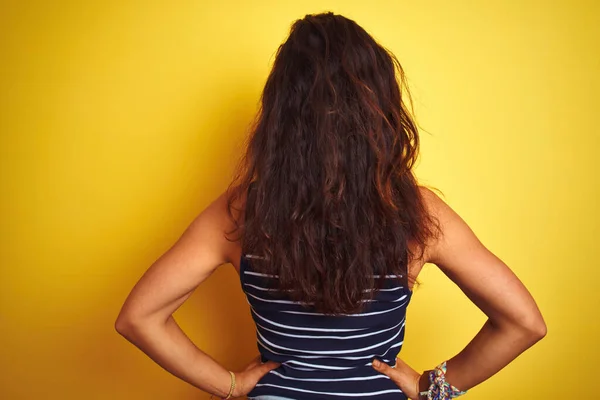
[328, 228]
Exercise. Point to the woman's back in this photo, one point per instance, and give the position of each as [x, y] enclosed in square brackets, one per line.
[326, 199]
[325, 356]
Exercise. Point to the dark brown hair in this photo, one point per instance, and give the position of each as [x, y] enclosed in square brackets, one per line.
[330, 195]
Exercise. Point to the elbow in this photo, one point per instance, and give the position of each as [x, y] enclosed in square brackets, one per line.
[121, 325]
[126, 326]
[133, 327]
[535, 330]
[539, 330]
[528, 330]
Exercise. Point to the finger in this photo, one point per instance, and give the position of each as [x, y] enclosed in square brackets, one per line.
[385, 369]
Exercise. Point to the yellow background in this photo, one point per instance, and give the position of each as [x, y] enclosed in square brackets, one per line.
[121, 120]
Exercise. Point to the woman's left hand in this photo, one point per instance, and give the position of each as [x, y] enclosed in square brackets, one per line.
[249, 377]
[403, 375]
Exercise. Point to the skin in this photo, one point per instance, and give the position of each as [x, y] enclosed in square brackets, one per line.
[514, 321]
[146, 319]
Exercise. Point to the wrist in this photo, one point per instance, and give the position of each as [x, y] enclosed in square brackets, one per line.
[423, 383]
[227, 388]
[239, 389]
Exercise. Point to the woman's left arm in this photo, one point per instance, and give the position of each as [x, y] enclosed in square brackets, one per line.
[146, 318]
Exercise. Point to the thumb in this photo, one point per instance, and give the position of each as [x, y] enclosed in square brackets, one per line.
[384, 368]
[268, 366]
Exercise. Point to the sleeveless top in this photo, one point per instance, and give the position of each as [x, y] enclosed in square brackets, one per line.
[325, 357]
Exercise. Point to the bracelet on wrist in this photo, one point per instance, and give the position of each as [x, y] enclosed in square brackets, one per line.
[439, 389]
[231, 387]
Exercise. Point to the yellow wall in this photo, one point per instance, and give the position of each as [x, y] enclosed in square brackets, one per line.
[120, 121]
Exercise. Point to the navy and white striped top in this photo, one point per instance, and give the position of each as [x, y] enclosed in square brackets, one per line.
[322, 356]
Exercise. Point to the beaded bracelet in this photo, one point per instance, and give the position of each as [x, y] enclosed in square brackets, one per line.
[439, 389]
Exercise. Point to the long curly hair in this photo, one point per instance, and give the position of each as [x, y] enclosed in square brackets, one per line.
[329, 197]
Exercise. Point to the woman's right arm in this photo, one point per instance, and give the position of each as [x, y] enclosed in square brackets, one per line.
[514, 321]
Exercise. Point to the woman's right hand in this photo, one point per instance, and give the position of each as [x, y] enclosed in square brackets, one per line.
[402, 375]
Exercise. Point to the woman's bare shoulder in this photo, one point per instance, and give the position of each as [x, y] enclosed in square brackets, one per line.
[432, 201]
[438, 211]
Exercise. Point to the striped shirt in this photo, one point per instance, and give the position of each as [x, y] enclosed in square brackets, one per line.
[322, 356]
